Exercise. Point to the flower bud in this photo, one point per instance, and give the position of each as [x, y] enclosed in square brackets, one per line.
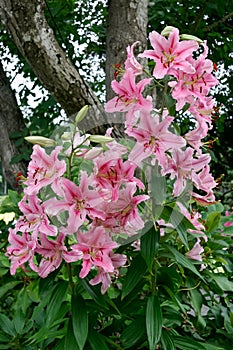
[100, 139]
[93, 153]
[167, 30]
[81, 114]
[66, 136]
[191, 37]
[40, 140]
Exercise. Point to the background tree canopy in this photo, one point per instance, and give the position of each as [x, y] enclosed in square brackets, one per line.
[87, 32]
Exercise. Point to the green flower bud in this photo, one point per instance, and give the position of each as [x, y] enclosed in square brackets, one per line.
[40, 140]
[191, 37]
[100, 139]
[167, 30]
[81, 114]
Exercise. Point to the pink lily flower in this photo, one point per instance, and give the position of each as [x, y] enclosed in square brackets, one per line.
[153, 138]
[170, 54]
[96, 247]
[183, 166]
[79, 201]
[43, 169]
[103, 277]
[195, 136]
[131, 61]
[129, 95]
[193, 217]
[21, 250]
[204, 179]
[126, 209]
[197, 84]
[35, 219]
[196, 251]
[53, 252]
[110, 174]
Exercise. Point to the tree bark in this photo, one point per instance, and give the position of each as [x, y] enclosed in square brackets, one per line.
[26, 23]
[11, 120]
[126, 23]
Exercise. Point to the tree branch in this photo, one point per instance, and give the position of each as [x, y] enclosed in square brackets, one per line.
[26, 23]
[215, 24]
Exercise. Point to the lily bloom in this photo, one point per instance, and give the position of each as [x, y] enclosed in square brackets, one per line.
[103, 277]
[196, 251]
[131, 61]
[110, 174]
[129, 95]
[43, 169]
[79, 201]
[53, 252]
[21, 250]
[96, 247]
[153, 138]
[170, 54]
[35, 219]
[183, 166]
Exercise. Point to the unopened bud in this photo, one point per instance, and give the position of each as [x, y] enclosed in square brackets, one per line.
[93, 153]
[191, 37]
[40, 140]
[66, 136]
[81, 114]
[100, 139]
[167, 30]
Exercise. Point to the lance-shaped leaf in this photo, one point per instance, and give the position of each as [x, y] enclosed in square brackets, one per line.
[134, 275]
[184, 261]
[97, 341]
[79, 320]
[70, 341]
[167, 341]
[59, 294]
[185, 343]
[153, 321]
[149, 246]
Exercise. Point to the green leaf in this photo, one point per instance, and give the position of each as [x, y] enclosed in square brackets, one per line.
[4, 338]
[19, 321]
[7, 325]
[174, 299]
[70, 341]
[167, 341]
[8, 286]
[134, 274]
[97, 341]
[222, 282]
[184, 343]
[212, 347]
[212, 221]
[94, 292]
[58, 295]
[197, 302]
[133, 333]
[60, 345]
[178, 221]
[169, 277]
[185, 262]
[153, 321]
[79, 320]
[149, 246]
[5, 346]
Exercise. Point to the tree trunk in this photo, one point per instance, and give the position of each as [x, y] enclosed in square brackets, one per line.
[26, 23]
[11, 120]
[126, 23]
